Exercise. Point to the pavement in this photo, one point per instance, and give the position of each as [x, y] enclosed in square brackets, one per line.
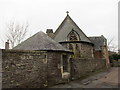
[107, 79]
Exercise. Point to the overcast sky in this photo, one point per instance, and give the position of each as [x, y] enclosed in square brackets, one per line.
[94, 17]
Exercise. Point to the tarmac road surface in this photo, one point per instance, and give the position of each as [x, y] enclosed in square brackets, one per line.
[108, 79]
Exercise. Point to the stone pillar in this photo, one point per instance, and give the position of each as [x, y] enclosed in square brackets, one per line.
[105, 55]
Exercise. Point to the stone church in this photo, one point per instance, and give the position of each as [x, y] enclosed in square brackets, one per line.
[44, 60]
[73, 38]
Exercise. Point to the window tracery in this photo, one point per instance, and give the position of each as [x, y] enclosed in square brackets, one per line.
[73, 36]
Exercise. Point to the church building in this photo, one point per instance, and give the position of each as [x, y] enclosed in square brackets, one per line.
[73, 38]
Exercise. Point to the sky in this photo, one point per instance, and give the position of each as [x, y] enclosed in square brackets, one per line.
[94, 17]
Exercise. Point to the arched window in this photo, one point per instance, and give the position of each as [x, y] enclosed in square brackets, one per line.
[73, 36]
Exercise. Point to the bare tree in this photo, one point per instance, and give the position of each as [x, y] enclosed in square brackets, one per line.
[111, 46]
[16, 33]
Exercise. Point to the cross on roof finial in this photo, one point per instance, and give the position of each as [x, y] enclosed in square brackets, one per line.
[67, 12]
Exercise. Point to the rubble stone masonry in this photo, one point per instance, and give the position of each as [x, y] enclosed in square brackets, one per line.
[40, 69]
[24, 69]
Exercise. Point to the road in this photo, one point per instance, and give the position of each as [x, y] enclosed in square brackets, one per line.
[108, 79]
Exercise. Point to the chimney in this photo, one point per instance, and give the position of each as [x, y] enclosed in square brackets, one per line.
[50, 33]
[7, 44]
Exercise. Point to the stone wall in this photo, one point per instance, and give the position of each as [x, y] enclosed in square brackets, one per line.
[32, 69]
[55, 67]
[24, 69]
[83, 67]
[116, 63]
[86, 50]
[37, 69]
[98, 54]
[81, 50]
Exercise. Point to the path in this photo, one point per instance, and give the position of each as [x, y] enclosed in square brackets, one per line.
[107, 79]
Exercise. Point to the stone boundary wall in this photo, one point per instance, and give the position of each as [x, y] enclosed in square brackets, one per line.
[39, 69]
[116, 63]
[24, 69]
[83, 67]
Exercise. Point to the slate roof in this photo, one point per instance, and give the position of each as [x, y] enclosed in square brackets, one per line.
[40, 41]
[66, 27]
[98, 41]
